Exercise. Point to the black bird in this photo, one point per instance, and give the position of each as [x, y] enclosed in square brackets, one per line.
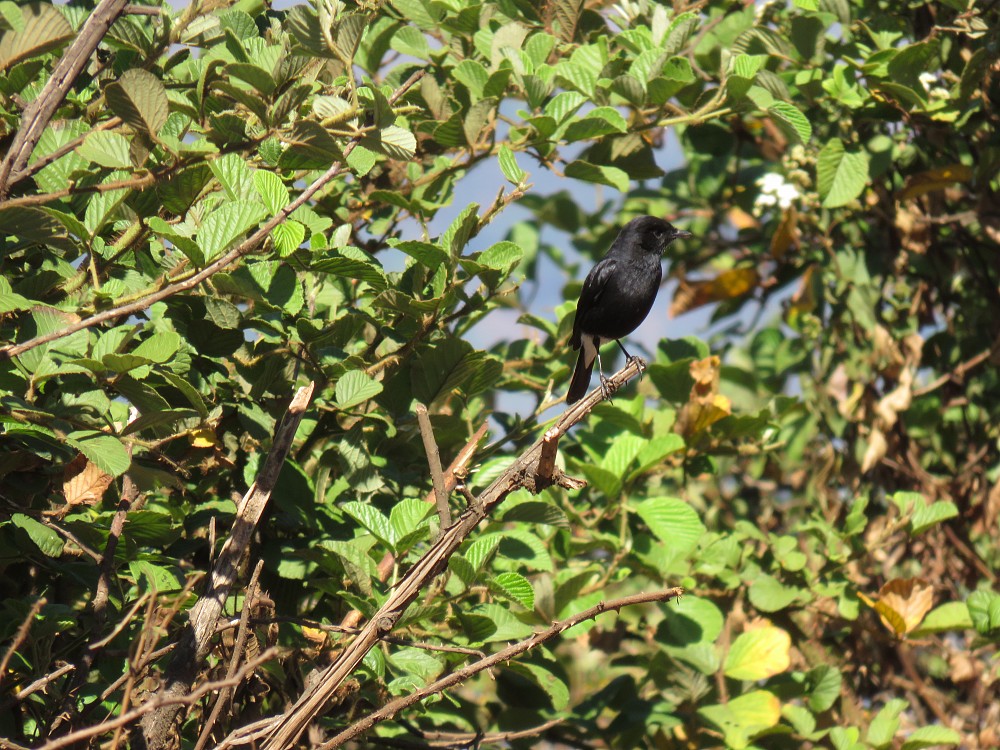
[618, 294]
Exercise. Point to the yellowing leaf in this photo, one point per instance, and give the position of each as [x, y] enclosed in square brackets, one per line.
[934, 179]
[729, 284]
[759, 654]
[902, 603]
[706, 405]
[204, 438]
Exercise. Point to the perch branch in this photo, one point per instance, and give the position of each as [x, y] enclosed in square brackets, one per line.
[522, 473]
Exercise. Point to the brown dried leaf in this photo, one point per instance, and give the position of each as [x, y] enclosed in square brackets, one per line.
[706, 405]
[903, 603]
[787, 234]
[934, 179]
[875, 452]
[83, 482]
[727, 285]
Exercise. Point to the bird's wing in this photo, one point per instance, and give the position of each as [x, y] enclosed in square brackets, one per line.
[593, 288]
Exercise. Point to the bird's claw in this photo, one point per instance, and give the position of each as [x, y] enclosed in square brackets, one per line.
[606, 388]
[638, 360]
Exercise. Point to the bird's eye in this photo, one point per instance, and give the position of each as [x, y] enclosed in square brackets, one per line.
[658, 233]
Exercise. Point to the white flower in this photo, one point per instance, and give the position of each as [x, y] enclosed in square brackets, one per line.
[775, 191]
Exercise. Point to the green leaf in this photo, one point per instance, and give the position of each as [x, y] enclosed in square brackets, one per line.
[599, 122]
[984, 609]
[883, 727]
[674, 522]
[395, 142]
[948, 616]
[546, 679]
[611, 176]
[106, 149]
[227, 224]
[768, 595]
[271, 190]
[410, 515]
[41, 28]
[744, 717]
[159, 347]
[841, 175]
[140, 99]
[932, 736]
[104, 450]
[928, 516]
[824, 687]
[288, 237]
[373, 520]
[796, 122]
[157, 577]
[509, 166]
[502, 256]
[47, 540]
[515, 586]
[355, 387]
[361, 160]
[758, 654]
[537, 511]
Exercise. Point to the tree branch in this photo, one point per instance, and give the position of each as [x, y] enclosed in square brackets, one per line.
[391, 708]
[522, 473]
[434, 461]
[194, 643]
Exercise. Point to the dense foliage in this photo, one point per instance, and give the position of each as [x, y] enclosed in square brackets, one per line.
[822, 475]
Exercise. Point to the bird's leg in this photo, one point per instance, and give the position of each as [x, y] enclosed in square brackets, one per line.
[606, 389]
[629, 359]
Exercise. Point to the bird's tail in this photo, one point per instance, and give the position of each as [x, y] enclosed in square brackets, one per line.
[581, 377]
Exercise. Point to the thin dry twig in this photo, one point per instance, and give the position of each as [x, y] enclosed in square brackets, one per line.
[522, 473]
[253, 592]
[434, 461]
[22, 633]
[194, 644]
[159, 702]
[461, 675]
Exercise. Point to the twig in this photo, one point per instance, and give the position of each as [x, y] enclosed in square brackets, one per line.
[194, 643]
[22, 633]
[249, 600]
[451, 481]
[434, 460]
[522, 473]
[248, 245]
[159, 702]
[38, 114]
[393, 707]
[464, 739]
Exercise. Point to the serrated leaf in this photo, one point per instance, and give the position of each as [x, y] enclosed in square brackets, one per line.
[758, 654]
[42, 29]
[351, 268]
[271, 190]
[159, 347]
[140, 99]
[226, 224]
[796, 121]
[536, 511]
[841, 175]
[598, 122]
[372, 519]
[361, 160]
[673, 521]
[509, 166]
[611, 176]
[106, 149]
[502, 256]
[393, 141]
[235, 176]
[984, 610]
[104, 450]
[931, 515]
[47, 540]
[288, 237]
[932, 736]
[355, 387]
[515, 586]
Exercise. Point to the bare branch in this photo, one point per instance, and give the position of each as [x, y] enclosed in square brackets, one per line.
[434, 461]
[38, 114]
[22, 633]
[391, 708]
[194, 644]
[522, 473]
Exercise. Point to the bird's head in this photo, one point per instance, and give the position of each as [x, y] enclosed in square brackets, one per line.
[654, 234]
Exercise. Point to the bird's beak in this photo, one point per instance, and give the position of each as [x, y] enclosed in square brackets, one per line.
[680, 234]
